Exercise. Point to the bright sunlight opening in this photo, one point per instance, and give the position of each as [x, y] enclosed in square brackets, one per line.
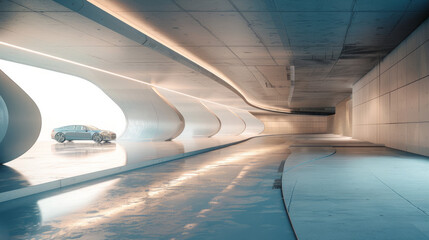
[65, 100]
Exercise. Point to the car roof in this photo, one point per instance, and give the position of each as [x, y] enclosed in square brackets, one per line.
[69, 126]
[88, 126]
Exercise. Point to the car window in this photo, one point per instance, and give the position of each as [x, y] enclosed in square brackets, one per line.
[80, 128]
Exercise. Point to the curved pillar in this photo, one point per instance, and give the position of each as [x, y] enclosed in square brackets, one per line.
[4, 119]
[20, 120]
[199, 121]
[253, 125]
[149, 116]
[231, 124]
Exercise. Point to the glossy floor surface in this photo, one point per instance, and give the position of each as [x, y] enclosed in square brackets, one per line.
[231, 193]
[333, 188]
[55, 161]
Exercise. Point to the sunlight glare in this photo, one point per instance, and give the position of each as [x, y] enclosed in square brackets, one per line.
[65, 99]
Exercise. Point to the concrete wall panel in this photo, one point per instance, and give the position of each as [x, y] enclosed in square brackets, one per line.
[424, 99]
[393, 111]
[384, 105]
[412, 143]
[398, 115]
[423, 138]
[402, 105]
[412, 102]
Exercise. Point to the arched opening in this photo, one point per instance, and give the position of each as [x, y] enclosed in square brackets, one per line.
[65, 99]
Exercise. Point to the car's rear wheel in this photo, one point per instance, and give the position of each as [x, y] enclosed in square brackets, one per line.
[97, 138]
[60, 137]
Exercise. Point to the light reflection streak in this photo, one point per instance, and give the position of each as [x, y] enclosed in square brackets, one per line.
[159, 191]
[71, 201]
[214, 201]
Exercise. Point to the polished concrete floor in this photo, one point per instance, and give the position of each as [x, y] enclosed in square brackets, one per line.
[231, 193]
[357, 193]
[333, 187]
[56, 161]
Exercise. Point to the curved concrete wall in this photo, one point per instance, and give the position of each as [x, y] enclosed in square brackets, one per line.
[199, 121]
[20, 120]
[149, 116]
[253, 125]
[231, 124]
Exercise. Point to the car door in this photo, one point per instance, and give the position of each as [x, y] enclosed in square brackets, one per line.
[70, 132]
[84, 133]
[78, 135]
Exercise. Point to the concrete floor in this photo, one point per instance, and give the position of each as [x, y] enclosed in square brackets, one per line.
[63, 160]
[357, 193]
[333, 187]
[225, 194]
[64, 164]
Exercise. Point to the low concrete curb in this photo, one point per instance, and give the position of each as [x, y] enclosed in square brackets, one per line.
[299, 161]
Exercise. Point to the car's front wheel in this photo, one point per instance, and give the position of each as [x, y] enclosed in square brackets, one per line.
[60, 137]
[97, 138]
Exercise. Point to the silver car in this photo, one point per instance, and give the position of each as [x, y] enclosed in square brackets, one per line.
[82, 132]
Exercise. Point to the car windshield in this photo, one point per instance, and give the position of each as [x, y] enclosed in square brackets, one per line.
[92, 128]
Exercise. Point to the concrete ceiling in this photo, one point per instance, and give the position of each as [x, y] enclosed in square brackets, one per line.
[48, 27]
[331, 43]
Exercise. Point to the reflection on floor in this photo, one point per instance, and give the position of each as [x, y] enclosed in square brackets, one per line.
[224, 194]
[333, 187]
[47, 162]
